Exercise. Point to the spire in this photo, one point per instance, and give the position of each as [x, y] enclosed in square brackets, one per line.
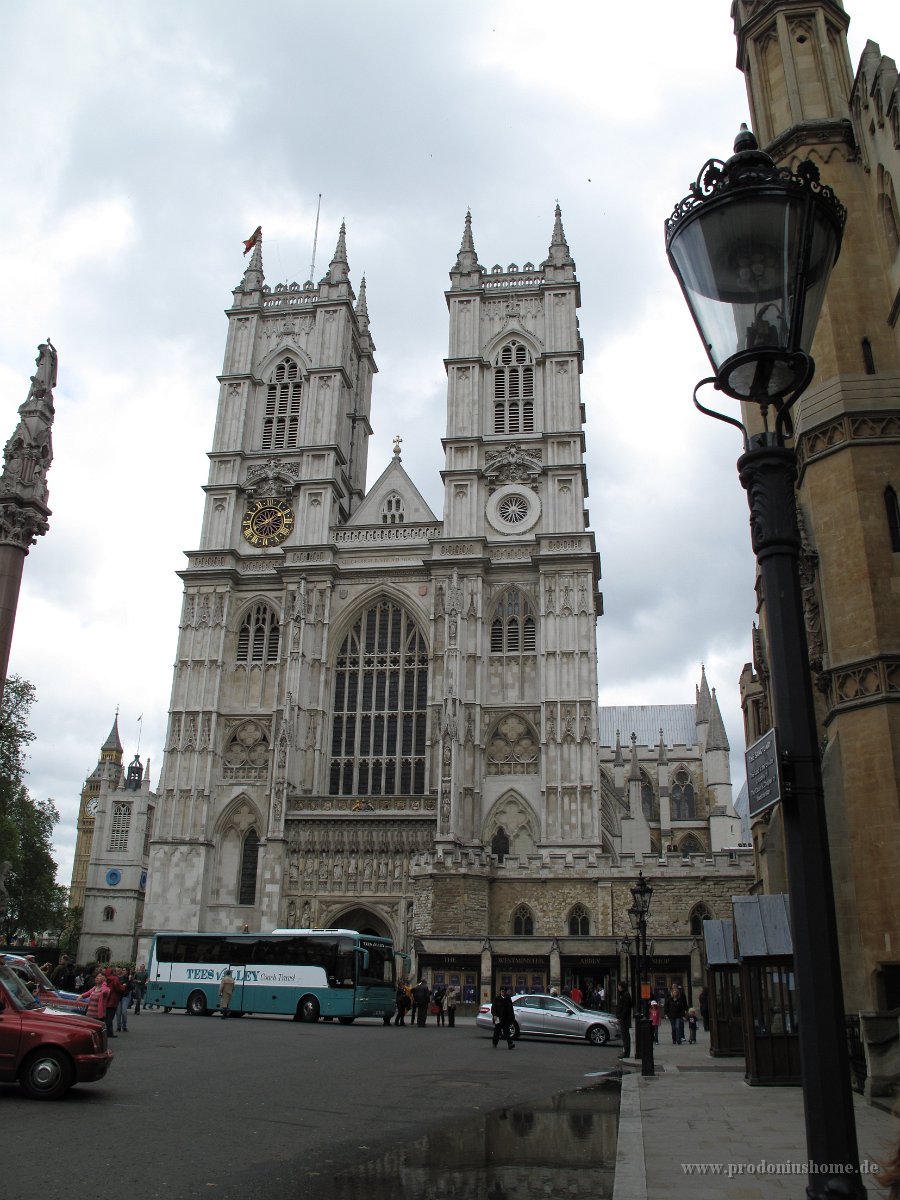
[362, 308]
[635, 772]
[704, 702]
[113, 742]
[339, 268]
[558, 255]
[253, 276]
[717, 738]
[619, 760]
[467, 259]
[662, 756]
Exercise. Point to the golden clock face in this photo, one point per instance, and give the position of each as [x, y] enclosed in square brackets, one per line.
[268, 522]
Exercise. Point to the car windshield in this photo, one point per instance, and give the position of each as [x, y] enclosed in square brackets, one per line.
[42, 979]
[21, 997]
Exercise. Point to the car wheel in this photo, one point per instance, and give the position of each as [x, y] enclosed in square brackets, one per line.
[196, 1004]
[46, 1074]
[308, 1009]
[598, 1035]
[346, 1020]
[387, 1020]
[517, 1032]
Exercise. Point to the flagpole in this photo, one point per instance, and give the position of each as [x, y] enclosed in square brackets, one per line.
[140, 731]
[312, 265]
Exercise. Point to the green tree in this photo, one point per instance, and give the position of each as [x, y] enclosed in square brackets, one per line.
[36, 901]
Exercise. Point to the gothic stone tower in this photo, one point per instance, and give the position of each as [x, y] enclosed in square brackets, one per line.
[359, 684]
[806, 105]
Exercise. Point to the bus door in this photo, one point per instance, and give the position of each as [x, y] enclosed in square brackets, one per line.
[237, 996]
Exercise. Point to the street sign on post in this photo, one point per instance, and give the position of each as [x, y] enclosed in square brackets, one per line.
[763, 774]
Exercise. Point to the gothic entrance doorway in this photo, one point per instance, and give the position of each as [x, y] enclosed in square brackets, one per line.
[363, 920]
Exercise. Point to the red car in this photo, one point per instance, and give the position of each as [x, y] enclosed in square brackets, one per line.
[39, 985]
[45, 1050]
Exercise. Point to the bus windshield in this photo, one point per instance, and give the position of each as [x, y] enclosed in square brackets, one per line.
[304, 973]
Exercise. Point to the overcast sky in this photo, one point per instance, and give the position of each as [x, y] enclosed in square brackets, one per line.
[142, 141]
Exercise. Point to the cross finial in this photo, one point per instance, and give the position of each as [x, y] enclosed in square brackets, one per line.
[397, 442]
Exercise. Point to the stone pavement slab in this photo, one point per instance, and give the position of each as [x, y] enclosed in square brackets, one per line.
[698, 1130]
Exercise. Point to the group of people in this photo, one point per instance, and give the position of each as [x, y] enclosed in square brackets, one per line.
[110, 992]
[419, 1001]
[676, 1010]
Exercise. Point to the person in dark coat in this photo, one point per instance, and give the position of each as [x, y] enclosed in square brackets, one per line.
[624, 1007]
[704, 1009]
[675, 1009]
[504, 1017]
[421, 996]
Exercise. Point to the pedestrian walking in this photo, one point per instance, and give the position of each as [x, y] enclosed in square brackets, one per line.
[451, 1000]
[139, 986]
[704, 1009]
[124, 1002]
[421, 996]
[692, 1026]
[675, 1010]
[437, 1005]
[403, 1003]
[226, 987]
[504, 1018]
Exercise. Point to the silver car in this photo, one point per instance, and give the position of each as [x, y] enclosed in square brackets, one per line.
[555, 1017]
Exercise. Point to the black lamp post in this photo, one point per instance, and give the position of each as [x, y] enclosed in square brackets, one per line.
[753, 246]
[642, 894]
[626, 950]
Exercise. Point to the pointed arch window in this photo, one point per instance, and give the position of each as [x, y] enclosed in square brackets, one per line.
[893, 517]
[683, 798]
[699, 914]
[121, 824]
[258, 636]
[500, 844]
[281, 421]
[690, 845]
[109, 913]
[249, 863]
[579, 922]
[513, 628]
[649, 805]
[514, 389]
[523, 921]
[379, 713]
[392, 510]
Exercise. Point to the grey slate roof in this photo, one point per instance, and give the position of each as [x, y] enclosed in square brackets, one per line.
[677, 721]
[719, 938]
[762, 925]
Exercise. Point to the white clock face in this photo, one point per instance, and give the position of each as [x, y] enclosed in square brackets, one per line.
[91, 808]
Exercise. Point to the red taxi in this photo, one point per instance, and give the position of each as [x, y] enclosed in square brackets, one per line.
[46, 1051]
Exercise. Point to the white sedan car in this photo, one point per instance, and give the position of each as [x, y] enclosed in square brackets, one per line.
[555, 1017]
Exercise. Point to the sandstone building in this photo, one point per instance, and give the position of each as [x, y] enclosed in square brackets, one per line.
[806, 103]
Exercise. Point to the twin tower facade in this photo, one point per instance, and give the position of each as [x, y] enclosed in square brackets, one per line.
[388, 719]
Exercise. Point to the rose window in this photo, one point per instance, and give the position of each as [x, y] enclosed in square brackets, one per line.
[513, 509]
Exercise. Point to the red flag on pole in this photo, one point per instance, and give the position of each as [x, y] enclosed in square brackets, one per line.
[255, 236]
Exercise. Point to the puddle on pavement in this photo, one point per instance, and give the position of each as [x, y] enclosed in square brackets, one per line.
[564, 1147]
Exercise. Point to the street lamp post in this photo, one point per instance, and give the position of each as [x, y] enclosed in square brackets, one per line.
[626, 950]
[753, 246]
[642, 894]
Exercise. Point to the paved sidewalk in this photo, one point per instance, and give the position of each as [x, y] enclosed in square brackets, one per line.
[698, 1110]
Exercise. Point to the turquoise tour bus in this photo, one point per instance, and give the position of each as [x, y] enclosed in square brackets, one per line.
[300, 973]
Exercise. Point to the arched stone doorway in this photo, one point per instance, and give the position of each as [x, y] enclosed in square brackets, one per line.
[363, 920]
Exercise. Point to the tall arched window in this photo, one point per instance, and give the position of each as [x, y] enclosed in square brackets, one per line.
[500, 844]
[523, 921]
[579, 922]
[893, 516]
[121, 824]
[258, 636]
[513, 629]
[699, 914]
[380, 698]
[682, 796]
[514, 390]
[249, 862]
[648, 798]
[281, 422]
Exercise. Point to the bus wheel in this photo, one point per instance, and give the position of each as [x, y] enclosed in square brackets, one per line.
[308, 1009]
[196, 1004]
[387, 1020]
[346, 1020]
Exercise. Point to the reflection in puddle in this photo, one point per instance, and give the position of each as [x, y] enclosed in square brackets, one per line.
[562, 1147]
